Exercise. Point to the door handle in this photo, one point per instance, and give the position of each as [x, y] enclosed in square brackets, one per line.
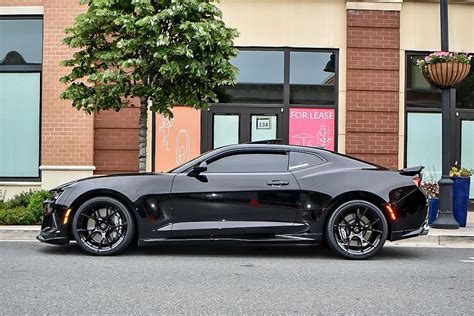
[277, 183]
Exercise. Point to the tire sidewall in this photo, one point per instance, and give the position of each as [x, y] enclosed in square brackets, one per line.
[124, 210]
[331, 239]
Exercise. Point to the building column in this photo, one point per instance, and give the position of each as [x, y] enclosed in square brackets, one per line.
[373, 67]
[67, 135]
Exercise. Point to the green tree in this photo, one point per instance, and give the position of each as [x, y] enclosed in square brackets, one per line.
[163, 52]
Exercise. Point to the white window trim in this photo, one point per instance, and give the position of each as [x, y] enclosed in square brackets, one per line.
[23, 10]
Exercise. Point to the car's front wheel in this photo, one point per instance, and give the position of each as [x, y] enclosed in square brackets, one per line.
[356, 229]
[103, 226]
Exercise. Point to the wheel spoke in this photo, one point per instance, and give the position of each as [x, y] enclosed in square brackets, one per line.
[375, 230]
[88, 216]
[88, 238]
[100, 244]
[111, 214]
[361, 244]
[117, 226]
[107, 239]
[357, 219]
[374, 222]
[82, 230]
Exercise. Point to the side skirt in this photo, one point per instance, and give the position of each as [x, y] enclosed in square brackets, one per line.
[308, 239]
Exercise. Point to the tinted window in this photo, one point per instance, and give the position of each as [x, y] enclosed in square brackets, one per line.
[251, 162]
[21, 41]
[421, 94]
[312, 78]
[299, 160]
[260, 78]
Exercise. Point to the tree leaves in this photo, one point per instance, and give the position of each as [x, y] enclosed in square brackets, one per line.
[167, 51]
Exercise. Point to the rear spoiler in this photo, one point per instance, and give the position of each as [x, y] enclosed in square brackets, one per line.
[412, 171]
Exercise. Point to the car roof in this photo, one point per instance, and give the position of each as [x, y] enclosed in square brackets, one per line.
[327, 155]
[272, 146]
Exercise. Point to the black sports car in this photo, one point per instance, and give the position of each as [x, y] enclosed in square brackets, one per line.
[248, 193]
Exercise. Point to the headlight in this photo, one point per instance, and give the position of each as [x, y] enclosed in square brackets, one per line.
[56, 193]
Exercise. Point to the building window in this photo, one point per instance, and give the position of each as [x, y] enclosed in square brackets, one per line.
[312, 78]
[424, 124]
[423, 147]
[260, 78]
[300, 83]
[20, 86]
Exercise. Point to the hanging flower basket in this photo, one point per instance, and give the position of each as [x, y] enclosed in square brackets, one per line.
[446, 75]
[444, 69]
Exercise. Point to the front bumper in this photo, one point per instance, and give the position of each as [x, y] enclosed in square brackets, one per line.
[52, 229]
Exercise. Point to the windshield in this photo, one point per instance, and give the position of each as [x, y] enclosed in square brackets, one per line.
[191, 162]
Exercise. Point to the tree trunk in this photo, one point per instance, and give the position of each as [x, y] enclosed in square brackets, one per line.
[142, 123]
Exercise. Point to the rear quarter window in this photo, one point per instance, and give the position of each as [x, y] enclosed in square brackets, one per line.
[301, 160]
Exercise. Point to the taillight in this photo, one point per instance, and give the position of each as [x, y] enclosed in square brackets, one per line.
[417, 180]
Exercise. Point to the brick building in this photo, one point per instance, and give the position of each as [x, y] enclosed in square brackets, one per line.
[333, 73]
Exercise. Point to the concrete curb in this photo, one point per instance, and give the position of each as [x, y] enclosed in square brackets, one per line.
[463, 237]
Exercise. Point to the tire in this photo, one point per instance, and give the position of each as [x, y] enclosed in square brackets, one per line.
[356, 230]
[103, 226]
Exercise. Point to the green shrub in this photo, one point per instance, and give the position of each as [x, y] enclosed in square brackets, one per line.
[19, 200]
[35, 207]
[17, 216]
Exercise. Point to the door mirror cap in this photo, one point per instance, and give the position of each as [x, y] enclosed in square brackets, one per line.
[196, 170]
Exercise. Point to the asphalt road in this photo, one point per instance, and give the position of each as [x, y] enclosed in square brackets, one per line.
[37, 279]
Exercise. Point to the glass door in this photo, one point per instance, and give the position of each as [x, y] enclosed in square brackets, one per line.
[465, 137]
[227, 125]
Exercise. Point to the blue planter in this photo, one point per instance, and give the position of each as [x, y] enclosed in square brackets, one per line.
[433, 205]
[461, 198]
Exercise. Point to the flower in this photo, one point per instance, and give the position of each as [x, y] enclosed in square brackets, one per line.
[443, 57]
[460, 172]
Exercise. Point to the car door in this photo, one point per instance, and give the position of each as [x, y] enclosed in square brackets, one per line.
[243, 193]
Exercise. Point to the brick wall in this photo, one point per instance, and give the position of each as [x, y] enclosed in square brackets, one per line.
[116, 141]
[67, 134]
[8, 3]
[372, 99]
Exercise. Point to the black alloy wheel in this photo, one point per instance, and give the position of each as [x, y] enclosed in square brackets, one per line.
[356, 230]
[103, 226]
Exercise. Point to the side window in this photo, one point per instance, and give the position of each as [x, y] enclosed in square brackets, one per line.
[300, 160]
[250, 162]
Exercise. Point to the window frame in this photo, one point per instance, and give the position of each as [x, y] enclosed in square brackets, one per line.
[31, 68]
[322, 159]
[455, 111]
[286, 105]
[210, 160]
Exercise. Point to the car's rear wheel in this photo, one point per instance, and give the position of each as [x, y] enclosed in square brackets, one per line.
[356, 230]
[103, 226]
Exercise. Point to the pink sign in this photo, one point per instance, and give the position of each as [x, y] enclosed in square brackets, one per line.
[312, 127]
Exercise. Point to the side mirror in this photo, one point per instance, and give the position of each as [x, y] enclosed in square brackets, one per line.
[196, 170]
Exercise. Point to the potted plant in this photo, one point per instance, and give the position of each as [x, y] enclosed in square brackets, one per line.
[431, 188]
[445, 69]
[461, 184]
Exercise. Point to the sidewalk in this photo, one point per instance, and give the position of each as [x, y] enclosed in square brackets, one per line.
[459, 238]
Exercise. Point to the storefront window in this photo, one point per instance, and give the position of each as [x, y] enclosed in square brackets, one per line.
[21, 37]
[286, 95]
[467, 150]
[260, 78]
[19, 124]
[20, 85]
[423, 104]
[424, 143]
[312, 78]
[226, 129]
[421, 94]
